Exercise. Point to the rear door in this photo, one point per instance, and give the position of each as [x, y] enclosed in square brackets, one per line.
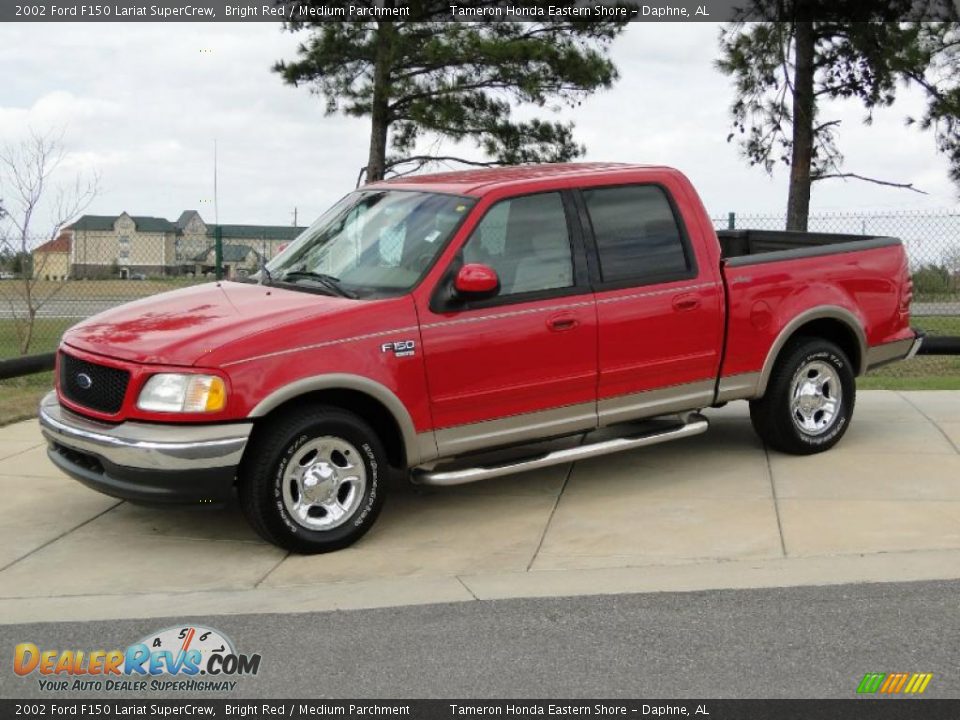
[660, 315]
[521, 365]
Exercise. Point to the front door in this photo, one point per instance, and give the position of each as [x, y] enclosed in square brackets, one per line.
[523, 364]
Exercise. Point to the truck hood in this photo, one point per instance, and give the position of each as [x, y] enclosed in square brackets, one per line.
[183, 326]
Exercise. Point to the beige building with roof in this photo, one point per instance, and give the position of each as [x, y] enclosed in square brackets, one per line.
[51, 261]
[132, 245]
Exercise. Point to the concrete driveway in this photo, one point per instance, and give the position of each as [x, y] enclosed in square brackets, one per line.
[714, 511]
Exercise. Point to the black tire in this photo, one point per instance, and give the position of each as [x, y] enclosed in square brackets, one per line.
[262, 479]
[772, 415]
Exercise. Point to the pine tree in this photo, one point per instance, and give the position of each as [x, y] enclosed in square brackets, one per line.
[458, 81]
[783, 70]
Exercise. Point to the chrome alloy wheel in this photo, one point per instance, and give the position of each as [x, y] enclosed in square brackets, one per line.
[324, 483]
[815, 397]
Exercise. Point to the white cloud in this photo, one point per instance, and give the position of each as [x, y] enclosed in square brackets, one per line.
[143, 103]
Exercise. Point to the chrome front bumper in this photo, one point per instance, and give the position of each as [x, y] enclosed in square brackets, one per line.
[146, 446]
[145, 462]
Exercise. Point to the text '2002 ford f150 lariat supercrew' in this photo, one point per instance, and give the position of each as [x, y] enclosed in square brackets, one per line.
[446, 326]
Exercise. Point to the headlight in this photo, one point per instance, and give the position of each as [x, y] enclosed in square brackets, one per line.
[169, 392]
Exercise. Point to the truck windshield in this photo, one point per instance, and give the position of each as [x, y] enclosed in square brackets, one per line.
[372, 242]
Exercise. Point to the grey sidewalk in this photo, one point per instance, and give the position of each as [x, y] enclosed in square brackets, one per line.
[715, 511]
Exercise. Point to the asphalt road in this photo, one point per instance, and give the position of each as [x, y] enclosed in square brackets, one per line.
[791, 642]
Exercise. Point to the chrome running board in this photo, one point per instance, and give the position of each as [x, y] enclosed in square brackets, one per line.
[696, 425]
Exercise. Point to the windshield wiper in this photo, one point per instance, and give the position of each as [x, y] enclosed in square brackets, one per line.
[265, 277]
[328, 281]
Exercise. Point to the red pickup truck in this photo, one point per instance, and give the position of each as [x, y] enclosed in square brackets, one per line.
[446, 326]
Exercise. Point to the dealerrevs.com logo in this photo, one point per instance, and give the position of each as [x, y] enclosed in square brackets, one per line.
[177, 659]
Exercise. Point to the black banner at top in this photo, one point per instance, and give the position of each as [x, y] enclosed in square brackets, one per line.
[254, 709]
[473, 10]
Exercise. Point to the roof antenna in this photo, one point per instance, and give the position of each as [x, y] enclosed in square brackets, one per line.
[216, 210]
[218, 231]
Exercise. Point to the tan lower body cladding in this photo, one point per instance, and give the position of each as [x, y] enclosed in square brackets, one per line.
[583, 417]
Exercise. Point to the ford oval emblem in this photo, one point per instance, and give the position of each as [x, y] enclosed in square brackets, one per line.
[84, 381]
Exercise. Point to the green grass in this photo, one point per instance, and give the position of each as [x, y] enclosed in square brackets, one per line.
[19, 397]
[923, 382]
[46, 336]
[921, 366]
[926, 372]
[938, 324]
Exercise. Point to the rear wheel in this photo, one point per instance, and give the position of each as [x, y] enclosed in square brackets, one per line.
[809, 400]
[311, 482]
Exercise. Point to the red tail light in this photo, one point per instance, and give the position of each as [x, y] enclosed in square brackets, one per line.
[906, 296]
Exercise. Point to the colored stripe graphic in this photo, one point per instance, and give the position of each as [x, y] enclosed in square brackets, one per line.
[918, 683]
[871, 682]
[894, 683]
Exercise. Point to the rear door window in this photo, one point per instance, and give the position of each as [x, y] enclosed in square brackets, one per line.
[637, 234]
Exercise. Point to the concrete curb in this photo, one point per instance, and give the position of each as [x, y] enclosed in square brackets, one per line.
[425, 590]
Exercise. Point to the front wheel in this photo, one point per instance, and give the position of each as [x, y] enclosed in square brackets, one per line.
[809, 400]
[312, 481]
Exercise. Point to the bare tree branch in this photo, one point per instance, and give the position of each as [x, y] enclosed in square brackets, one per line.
[424, 160]
[855, 176]
[823, 126]
[27, 170]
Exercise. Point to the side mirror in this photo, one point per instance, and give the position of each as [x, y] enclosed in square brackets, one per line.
[475, 279]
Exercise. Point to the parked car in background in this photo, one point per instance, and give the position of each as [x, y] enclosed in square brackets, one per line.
[442, 327]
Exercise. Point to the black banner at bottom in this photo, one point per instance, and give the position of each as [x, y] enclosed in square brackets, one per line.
[852, 709]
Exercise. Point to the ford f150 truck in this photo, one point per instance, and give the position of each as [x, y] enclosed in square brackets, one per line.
[466, 325]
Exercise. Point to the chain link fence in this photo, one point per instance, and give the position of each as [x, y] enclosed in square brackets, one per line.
[56, 284]
[42, 297]
[49, 285]
[932, 241]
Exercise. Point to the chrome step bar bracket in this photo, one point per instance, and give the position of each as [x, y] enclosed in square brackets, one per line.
[696, 425]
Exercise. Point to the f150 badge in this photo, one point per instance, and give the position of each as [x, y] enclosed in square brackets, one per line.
[400, 348]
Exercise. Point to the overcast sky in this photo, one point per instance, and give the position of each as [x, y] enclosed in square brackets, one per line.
[142, 104]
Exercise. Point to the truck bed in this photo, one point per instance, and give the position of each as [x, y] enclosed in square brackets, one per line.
[750, 247]
[773, 277]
